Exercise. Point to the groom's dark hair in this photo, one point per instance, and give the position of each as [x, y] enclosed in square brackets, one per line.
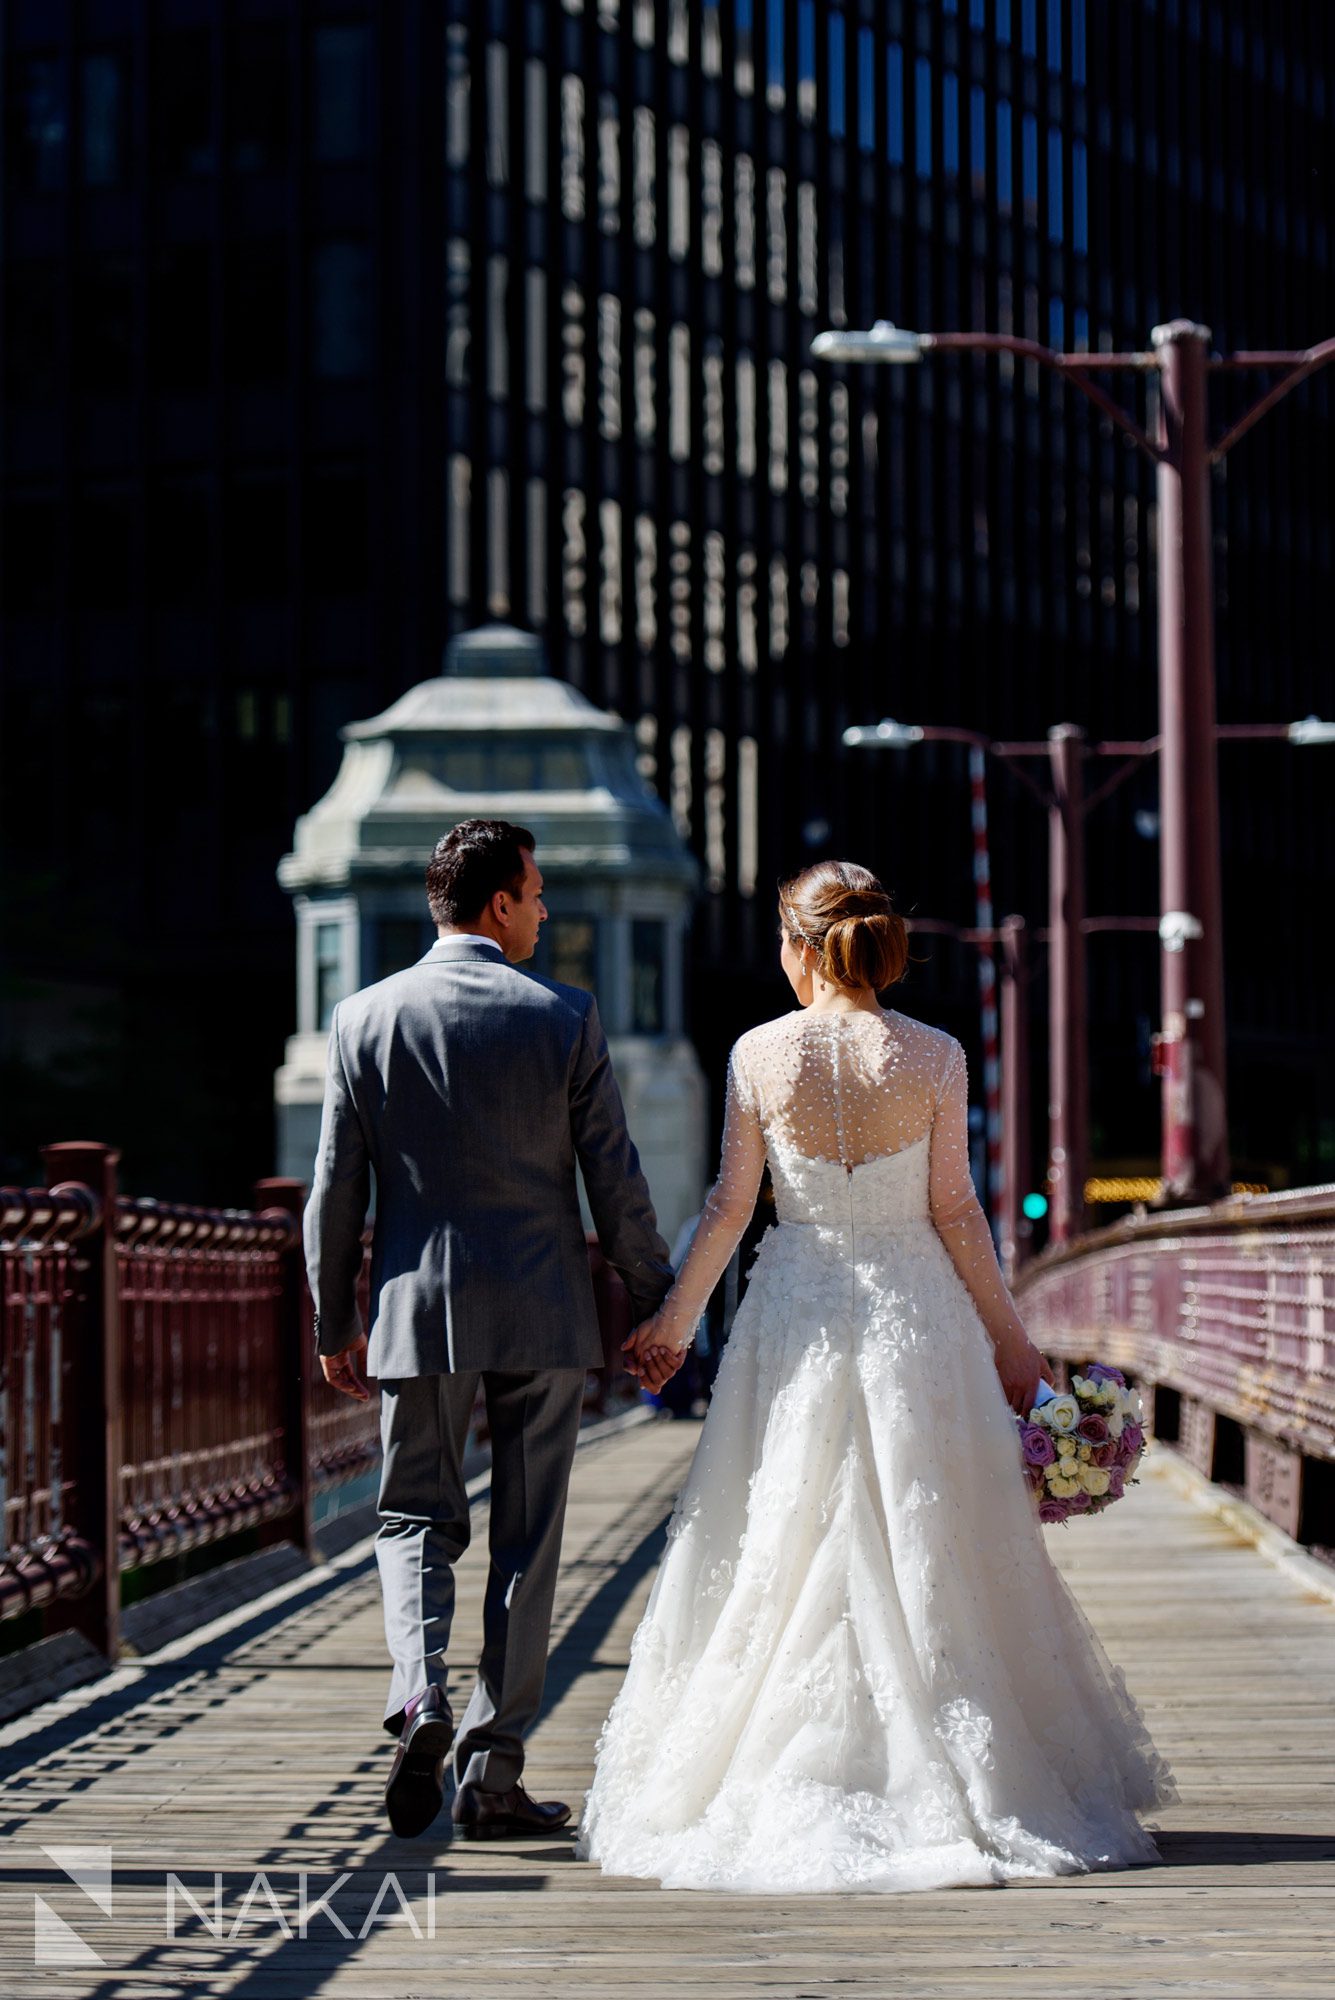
[469, 866]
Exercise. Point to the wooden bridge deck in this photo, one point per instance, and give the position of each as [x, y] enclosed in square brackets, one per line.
[254, 1746]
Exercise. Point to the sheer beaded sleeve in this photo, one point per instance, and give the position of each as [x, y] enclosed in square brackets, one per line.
[725, 1215]
[956, 1210]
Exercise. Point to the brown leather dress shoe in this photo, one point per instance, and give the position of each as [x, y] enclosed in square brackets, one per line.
[508, 1815]
[415, 1788]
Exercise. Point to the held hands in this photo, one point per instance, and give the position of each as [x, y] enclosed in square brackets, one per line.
[1021, 1368]
[346, 1370]
[653, 1358]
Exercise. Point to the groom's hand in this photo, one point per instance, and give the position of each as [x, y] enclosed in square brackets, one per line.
[346, 1370]
[658, 1367]
[651, 1358]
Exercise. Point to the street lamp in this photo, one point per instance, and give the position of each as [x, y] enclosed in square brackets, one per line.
[883, 342]
[1192, 1046]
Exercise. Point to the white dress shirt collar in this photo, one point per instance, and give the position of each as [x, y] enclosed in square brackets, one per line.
[472, 937]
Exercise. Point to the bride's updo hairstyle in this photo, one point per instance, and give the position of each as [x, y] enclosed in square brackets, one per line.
[842, 913]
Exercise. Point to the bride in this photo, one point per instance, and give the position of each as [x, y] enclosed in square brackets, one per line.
[858, 1668]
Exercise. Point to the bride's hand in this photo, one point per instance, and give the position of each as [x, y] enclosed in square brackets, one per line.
[1021, 1368]
[653, 1357]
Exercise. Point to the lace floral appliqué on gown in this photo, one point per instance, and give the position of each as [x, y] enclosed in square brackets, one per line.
[858, 1668]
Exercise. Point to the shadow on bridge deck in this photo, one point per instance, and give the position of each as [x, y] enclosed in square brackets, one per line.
[238, 1757]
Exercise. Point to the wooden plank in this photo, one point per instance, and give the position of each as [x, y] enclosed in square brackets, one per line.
[259, 1750]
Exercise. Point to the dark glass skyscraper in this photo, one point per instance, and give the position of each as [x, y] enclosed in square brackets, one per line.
[330, 330]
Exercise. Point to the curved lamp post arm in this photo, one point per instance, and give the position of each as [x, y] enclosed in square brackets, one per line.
[1073, 368]
[1300, 366]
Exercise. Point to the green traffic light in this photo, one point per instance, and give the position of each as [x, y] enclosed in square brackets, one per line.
[1035, 1206]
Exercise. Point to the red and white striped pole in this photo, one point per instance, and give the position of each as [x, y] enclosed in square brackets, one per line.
[987, 976]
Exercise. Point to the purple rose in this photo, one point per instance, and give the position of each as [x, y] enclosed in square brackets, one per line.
[1093, 1429]
[1101, 1373]
[1079, 1503]
[1037, 1445]
[1034, 1477]
[1132, 1439]
[1104, 1454]
[1116, 1483]
[1051, 1511]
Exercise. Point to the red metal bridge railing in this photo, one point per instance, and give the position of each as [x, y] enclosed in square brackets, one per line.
[158, 1386]
[160, 1389]
[1226, 1315]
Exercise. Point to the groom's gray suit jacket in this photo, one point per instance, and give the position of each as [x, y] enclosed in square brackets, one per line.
[471, 1088]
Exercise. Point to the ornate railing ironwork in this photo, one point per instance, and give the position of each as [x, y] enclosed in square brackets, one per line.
[158, 1386]
[1227, 1315]
[44, 1555]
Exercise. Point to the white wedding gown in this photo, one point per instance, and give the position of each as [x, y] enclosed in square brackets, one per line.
[858, 1668]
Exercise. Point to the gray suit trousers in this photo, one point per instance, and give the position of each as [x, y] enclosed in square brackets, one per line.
[424, 1529]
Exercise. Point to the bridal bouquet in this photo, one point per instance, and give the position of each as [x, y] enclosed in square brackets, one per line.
[1081, 1447]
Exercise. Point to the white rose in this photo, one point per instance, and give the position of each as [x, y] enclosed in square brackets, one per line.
[1062, 1413]
[1116, 1423]
[1064, 1488]
[1094, 1479]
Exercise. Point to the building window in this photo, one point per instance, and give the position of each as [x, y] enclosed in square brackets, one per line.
[1003, 156]
[103, 120]
[1054, 185]
[337, 523]
[181, 327]
[648, 978]
[1077, 41]
[328, 971]
[182, 99]
[866, 90]
[261, 90]
[838, 118]
[33, 533]
[180, 543]
[894, 105]
[257, 310]
[950, 123]
[256, 540]
[341, 110]
[38, 125]
[33, 371]
[104, 328]
[1054, 51]
[922, 94]
[1079, 198]
[806, 55]
[104, 570]
[342, 312]
[570, 947]
[399, 942]
[1029, 167]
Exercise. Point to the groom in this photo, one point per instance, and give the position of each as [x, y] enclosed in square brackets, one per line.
[471, 1088]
